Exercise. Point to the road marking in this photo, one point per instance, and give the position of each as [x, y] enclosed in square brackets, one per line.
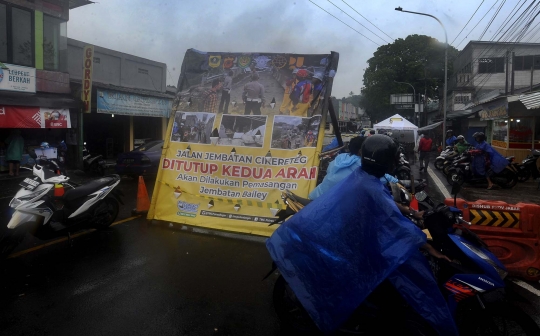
[63, 239]
[527, 287]
[439, 184]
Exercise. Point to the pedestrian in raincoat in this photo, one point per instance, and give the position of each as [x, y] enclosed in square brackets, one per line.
[14, 151]
[496, 160]
[342, 166]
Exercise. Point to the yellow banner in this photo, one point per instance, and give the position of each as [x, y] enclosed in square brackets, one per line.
[88, 65]
[225, 165]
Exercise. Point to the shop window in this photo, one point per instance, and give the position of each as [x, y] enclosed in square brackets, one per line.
[500, 130]
[22, 49]
[521, 130]
[491, 65]
[526, 62]
[16, 35]
[54, 44]
[3, 33]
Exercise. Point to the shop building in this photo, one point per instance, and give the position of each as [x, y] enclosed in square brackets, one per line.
[35, 94]
[129, 101]
[481, 97]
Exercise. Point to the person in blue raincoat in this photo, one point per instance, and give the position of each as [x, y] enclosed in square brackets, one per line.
[497, 161]
[340, 247]
[342, 166]
[450, 138]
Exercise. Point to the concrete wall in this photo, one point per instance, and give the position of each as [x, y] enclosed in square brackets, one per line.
[116, 68]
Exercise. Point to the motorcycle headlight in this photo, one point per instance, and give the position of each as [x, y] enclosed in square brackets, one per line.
[502, 272]
[19, 200]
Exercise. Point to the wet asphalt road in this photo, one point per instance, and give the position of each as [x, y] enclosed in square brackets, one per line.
[135, 279]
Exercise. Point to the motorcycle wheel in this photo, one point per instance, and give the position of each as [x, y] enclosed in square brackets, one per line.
[500, 319]
[290, 312]
[439, 164]
[105, 213]
[506, 179]
[455, 176]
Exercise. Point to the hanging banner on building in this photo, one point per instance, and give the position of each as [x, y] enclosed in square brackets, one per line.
[230, 153]
[494, 110]
[123, 103]
[34, 117]
[17, 78]
[88, 66]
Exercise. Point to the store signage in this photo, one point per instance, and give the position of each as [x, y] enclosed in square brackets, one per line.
[34, 117]
[17, 78]
[122, 103]
[494, 111]
[86, 92]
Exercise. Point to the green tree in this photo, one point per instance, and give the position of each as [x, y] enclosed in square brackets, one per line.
[417, 59]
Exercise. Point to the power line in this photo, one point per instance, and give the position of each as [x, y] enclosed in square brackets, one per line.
[367, 20]
[477, 24]
[344, 23]
[357, 21]
[492, 19]
[468, 21]
[509, 18]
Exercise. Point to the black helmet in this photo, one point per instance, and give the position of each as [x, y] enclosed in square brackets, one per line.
[355, 145]
[480, 135]
[379, 155]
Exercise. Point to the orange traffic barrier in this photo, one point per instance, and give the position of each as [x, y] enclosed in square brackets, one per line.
[143, 201]
[511, 231]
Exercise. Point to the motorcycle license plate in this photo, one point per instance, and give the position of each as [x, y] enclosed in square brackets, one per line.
[127, 161]
[29, 184]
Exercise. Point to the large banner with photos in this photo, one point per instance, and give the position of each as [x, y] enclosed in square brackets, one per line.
[244, 128]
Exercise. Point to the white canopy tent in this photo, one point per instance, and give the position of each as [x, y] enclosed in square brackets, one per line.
[402, 129]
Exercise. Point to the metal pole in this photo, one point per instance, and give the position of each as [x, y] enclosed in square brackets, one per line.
[445, 60]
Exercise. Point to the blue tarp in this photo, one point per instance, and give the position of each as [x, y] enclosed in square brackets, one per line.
[341, 246]
[332, 145]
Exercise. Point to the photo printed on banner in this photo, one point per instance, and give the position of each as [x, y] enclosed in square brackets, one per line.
[242, 131]
[193, 127]
[295, 132]
[253, 84]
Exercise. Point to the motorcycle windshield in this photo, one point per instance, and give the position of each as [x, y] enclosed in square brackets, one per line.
[340, 247]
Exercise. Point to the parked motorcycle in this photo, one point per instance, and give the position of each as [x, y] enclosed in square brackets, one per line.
[473, 285]
[528, 167]
[94, 163]
[403, 169]
[462, 171]
[446, 155]
[38, 212]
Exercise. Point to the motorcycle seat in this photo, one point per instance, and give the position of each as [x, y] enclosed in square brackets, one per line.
[88, 188]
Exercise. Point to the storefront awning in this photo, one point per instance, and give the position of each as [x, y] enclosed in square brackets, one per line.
[429, 127]
[531, 101]
[40, 99]
[459, 114]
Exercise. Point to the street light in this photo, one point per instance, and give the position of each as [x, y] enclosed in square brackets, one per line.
[445, 59]
[414, 93]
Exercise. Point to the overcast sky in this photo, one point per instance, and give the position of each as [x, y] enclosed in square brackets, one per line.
[164, 30]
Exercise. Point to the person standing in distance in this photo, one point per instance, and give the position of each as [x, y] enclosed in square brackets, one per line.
[424, 148]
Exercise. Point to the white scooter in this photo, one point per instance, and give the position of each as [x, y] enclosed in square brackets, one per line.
[38, 212]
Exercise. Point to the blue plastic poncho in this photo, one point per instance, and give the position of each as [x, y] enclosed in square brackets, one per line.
[332, 145]
[450, 141]
[341, 246]
[342, 166]
[498, 162]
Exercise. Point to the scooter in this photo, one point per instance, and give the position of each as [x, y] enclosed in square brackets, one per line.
[93, 163]
[39, 212]
[473, 284]
[462, 171]
[528, 167]
[446, 155]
